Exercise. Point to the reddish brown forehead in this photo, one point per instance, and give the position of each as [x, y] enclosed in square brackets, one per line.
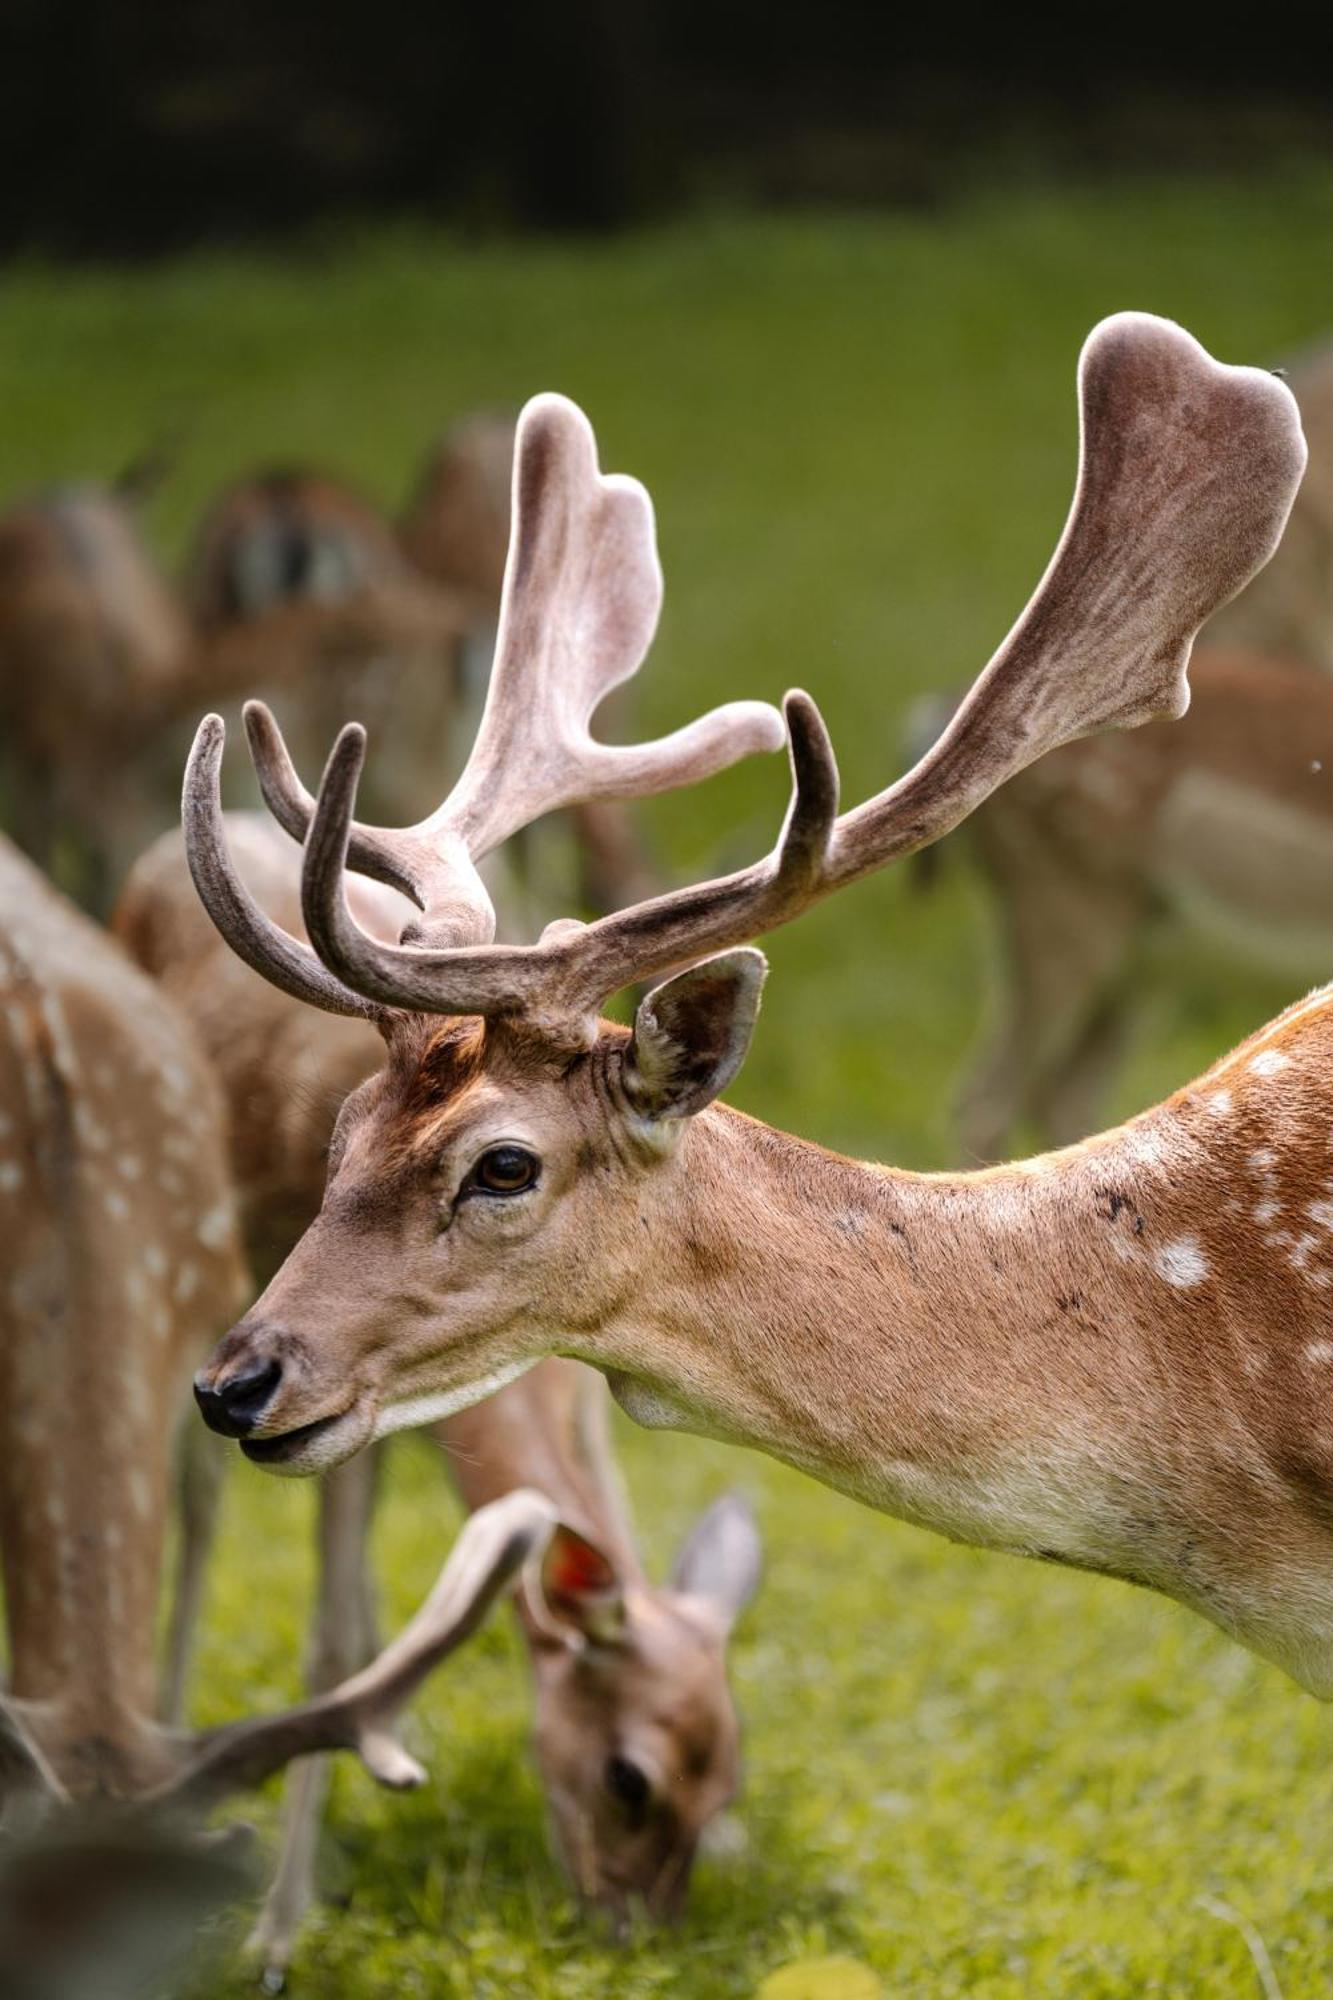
[431, 1060]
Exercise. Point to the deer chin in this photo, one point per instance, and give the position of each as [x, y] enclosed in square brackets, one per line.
[312, 1448]
[410, 1412]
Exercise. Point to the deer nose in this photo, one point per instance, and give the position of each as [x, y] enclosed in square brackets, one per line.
[234, 1406]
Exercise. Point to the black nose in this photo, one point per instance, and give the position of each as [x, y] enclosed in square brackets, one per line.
[235, 1406]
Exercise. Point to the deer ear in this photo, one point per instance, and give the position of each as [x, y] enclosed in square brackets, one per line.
[722, 1560]
[582, 1587]
[691, 1034]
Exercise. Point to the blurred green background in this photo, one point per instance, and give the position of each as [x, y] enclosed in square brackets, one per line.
[978, 1777]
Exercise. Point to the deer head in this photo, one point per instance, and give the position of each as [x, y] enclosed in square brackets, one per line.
[635, 1729]
[503, 1174]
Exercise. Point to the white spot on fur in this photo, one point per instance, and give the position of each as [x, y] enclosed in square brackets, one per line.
[1265, 1210]
[115, 1204]
[1301, 1251]
[11, 1176]
[1219, 1103]
[1263, 1160]
[215, 1228]
[1319, 1350]
[1146, 1145]
[1322, 1213]
[1269, 1061]
[1181, 1263]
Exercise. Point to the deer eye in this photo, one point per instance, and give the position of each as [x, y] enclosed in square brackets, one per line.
[627, 1782]
[503, 1170]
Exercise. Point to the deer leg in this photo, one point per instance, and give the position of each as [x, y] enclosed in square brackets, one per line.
[1071, 1101]
[344, 1637]
[201, 1465]
[1067, 931]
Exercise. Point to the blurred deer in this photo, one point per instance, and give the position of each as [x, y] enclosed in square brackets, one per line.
[1220, 825]
[296, 536]
[122, 1257]
[99, 661]
[636, 1733]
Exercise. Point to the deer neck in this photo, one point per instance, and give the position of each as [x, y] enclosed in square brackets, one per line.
[547, 1430]
[964, 1352]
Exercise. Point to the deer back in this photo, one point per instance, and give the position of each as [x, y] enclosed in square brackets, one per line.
[90, 632]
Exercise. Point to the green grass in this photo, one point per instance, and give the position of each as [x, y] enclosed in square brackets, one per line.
[977, 1777]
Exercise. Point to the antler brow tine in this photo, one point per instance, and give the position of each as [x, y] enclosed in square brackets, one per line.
[252, 935]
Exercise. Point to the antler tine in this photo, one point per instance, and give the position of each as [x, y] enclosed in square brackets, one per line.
[251, 934]
[399, 856]
[582, 594]
[358, 1714]
[574, 968]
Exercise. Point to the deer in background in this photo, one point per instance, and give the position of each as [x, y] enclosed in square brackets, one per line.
[1113, 1356]
[636, 1732]
[100, 661]
[1222, 826]
[122, 1256]
[295, 536]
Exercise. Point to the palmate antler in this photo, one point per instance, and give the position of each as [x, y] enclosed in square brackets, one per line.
[582, 593]
[1187, 472]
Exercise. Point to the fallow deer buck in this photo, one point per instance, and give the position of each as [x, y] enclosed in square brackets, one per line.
[636, 1732]
[121, 1256]
[1113, 1356]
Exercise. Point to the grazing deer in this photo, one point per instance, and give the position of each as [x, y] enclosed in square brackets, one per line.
[99, 660]
[1112, 1356]
[1222, 823]
[121, 1252]
[635, 1728]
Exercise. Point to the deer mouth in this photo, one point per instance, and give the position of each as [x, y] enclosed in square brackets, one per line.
[311, 1447]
